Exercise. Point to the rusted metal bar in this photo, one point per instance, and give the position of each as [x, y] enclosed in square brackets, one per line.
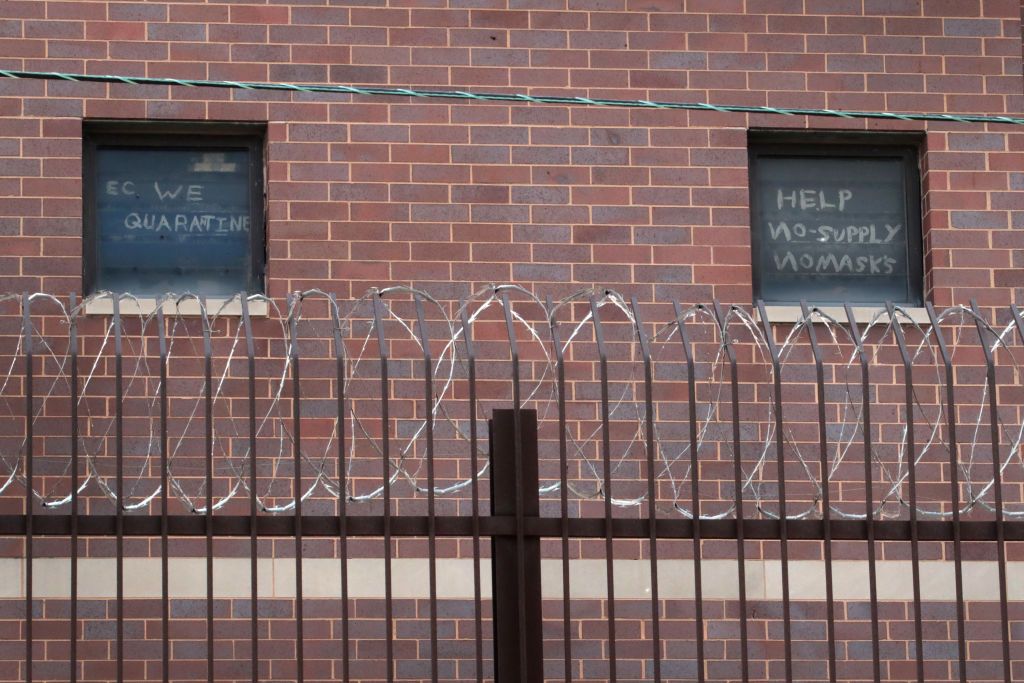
[954, 485]
[165, 598]
[73, 406]
[780, 459]
[517, 606]
[652, 497]
[606, 460]
[563, 498]
[478, 627]
[997, 485]
[826, 498]
[119, 477]
[339, 362]
[915, 551]
[297, 485]
[27, 351]
[428, 397]
[409, 526]
[730, 353]
[254, 625]
[389, 646]
[869, 505]
[518, 457]
[208, 514]
[691, 395]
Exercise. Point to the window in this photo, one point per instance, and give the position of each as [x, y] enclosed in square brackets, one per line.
[836, 218]
[173, 207]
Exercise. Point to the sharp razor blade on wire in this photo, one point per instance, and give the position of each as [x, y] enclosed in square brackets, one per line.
[357, 329]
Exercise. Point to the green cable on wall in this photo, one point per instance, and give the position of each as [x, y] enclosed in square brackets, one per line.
[508, 97]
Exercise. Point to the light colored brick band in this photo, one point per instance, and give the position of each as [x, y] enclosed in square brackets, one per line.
[455, 579]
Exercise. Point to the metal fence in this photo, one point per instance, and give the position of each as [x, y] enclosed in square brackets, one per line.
[711, 429]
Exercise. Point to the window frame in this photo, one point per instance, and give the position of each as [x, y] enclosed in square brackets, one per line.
[908, 147]
[171, 135]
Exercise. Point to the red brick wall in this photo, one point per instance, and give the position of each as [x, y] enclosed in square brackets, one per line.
[449, 196]
[368, 190]
[323, 660]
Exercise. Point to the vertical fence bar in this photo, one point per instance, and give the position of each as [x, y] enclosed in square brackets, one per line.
[826, 498]
[73, 406]
[606, 456]
[26, 303]
[478, 627]
[869, 505]
[428, 385]
[518, 458]
[119, 476]
[297, 482]
[165, 600]
[208, 514]
[509, 603]
[997, 485]
[954, 484]
[691, 394]
[1018, 323]
[730, 353]
[254, 635]
[563, 499]
[915, 551]
[652, 512]
[780, 457]
[378, 322]
[339, 362]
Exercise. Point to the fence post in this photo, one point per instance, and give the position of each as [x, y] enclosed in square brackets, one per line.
[505, 561]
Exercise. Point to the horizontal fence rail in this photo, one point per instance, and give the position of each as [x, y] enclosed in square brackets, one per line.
[718, 497]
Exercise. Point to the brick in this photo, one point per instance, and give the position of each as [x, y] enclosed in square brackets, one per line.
[439, 18]
[259, 15]
[416, 36]
[320, 15]
[258, 53]
[16, 47]
[978, 219]
[55, 29]
[499, 19]
[950, 8]
[972, 27]
[176, 31]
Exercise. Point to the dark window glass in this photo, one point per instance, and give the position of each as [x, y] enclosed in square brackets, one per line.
[174, 217]
[835, 223]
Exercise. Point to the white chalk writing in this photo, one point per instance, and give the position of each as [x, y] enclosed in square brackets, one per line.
[804, 262]
[872, 233]
[187, 222]
[817, 200]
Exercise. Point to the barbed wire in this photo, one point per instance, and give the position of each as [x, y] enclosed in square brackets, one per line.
[627, 408]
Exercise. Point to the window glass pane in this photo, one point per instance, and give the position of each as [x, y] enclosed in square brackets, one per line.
[833, 230]
[173, 220]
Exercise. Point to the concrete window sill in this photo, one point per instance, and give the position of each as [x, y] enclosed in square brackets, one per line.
[189, 307]
[863, 314]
